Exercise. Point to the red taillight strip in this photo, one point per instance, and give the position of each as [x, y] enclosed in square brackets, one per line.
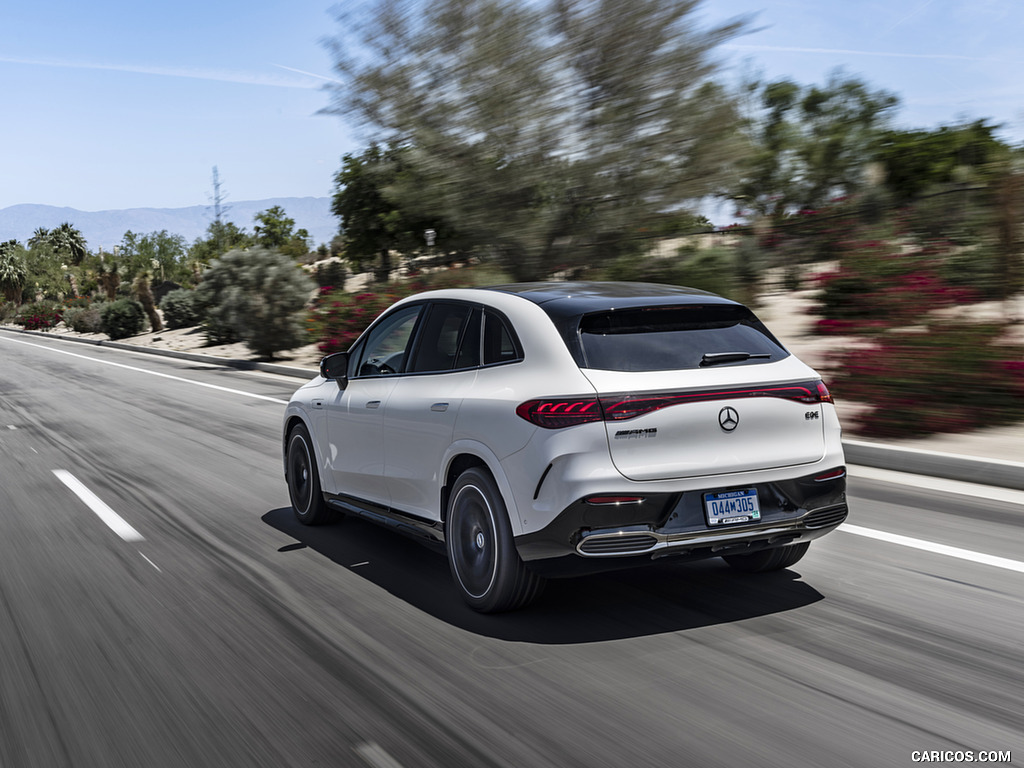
[603, 501]
[559, 412]
[631, 406]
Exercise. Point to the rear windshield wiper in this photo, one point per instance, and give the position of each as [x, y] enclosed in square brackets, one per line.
[714, 358]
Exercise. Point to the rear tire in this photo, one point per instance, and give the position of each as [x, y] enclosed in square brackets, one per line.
[768, 559]
[484, 562]
[304, 488]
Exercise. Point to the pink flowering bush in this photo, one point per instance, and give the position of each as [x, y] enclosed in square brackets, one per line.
[877, 287]
[337, 318]
[40, 316]
[948, 377]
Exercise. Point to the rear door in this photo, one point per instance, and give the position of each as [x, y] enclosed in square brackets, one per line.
[421, 412]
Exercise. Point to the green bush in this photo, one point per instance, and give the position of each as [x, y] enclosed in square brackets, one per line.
[331, 274]
[256, 296]
[8, 311]
[39, 315]
[87, 319]
[179, 308]
[123, 318]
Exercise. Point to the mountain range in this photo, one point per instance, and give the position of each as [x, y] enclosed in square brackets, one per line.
[105, 229]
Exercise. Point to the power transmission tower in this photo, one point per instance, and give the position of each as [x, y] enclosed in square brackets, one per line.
[219, 209]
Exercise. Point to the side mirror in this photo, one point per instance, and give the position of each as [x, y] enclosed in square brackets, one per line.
[335, 368]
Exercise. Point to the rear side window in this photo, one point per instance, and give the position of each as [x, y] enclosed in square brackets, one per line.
[674, 338]
[500, 344]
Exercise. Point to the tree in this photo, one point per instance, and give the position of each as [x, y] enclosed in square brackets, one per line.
[546, 132]
[68, 243]
[274, 230]
[809, 144]
[221, 237]
[13, 270]
[160, 253]
[372, 223]
[920, 161]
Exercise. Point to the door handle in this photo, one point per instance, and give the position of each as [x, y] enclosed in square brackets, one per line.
[373, 404]
[439, 407]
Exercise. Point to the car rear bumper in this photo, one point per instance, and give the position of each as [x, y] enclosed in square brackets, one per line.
[586, 537]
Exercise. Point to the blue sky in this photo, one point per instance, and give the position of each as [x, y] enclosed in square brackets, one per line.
[114, 104]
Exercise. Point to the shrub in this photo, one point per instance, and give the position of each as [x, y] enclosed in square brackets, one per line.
[337, 318]
[179, 308]
[331, 274]
[951, 376]
[85, 319]
[39, 316]
[123, 318]
[707, 270]
[256, 296]
[878, 287]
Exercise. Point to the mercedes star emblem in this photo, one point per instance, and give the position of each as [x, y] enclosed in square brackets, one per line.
[728, 419]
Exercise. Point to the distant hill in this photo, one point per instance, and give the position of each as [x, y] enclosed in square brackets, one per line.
[104, 229]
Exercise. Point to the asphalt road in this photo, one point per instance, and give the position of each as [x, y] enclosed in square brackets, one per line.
[207, 628]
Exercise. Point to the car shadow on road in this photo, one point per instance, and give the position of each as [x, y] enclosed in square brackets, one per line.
[658, 599]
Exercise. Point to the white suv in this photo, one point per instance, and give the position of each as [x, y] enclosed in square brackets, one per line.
[547, 429]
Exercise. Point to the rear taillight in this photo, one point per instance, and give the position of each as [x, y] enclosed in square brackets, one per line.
[558, 412]
[824, 396]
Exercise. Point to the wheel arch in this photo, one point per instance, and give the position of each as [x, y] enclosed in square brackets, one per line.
[465, 455]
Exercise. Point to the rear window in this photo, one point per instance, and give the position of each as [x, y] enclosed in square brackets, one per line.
[673, 338]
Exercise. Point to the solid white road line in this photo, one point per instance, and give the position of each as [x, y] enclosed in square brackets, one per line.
[939, 484]
[113, 520]
[151, 373]
[940, 549]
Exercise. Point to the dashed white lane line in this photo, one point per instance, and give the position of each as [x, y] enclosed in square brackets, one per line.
[939, 484]
[151, 562]
[113, 520]
[940, 549]
[376, 757]
[151, 373]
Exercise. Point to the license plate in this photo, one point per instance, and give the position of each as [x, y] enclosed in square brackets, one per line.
[732, 507]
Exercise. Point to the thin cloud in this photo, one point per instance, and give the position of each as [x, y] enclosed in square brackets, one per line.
[308, 74]
[849, 52]
[215, 75]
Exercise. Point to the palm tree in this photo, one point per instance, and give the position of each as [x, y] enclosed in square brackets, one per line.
[13, 271]
[67, 240]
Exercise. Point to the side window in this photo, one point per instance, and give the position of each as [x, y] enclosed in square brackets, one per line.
[500, 344]
[383, 351]
[443, 334]
[469, 348]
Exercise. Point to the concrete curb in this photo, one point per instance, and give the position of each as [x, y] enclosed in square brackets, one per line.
[242, 365]
[970, 469]
[950, 466]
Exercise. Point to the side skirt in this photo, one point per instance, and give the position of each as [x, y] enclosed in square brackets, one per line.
[428, 531]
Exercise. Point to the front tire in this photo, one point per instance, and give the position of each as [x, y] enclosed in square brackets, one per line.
[304, 480]
[481, 553]
[768, 559]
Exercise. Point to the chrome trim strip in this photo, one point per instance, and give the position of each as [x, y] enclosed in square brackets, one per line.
[698, 539]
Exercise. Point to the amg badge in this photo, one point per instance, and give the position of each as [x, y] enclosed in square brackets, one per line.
[628, 433]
